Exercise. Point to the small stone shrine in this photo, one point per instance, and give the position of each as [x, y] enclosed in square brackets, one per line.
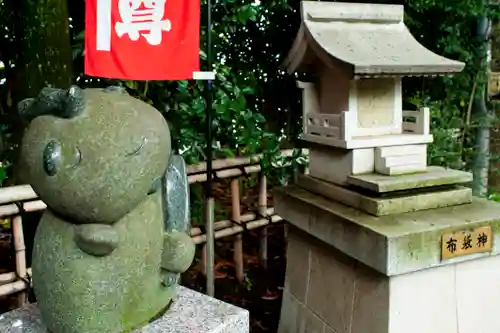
[109, 249]
[379, 241]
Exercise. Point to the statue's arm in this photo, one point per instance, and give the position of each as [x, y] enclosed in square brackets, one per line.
[178, 252]
[96, 239]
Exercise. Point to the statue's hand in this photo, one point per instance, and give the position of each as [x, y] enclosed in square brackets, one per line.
[178, 252]
[96, 239]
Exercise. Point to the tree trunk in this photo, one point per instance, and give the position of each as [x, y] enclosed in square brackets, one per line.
[42, 42]
[41, 57]
[481, 114]
[481, 157]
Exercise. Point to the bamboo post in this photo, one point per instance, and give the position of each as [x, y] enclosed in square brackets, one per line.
[6, 278]
[238, 240]
[233, 162]
[9, 284]
[262, 212]
[195, 231]
[204, 260]
[20, 248]
[225, 168]
[234, 230]
[16, 193]
[30, 206]
[12, 288]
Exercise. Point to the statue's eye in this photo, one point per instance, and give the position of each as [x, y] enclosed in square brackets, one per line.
[52, 157]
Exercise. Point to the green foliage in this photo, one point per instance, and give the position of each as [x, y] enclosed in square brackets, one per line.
[449, 29]
[494, 197]
[247, 55]
[257, 107]
[250, 40]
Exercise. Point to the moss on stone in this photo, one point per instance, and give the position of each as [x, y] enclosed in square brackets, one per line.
[421, 201]
[98, 250]
[393, 244]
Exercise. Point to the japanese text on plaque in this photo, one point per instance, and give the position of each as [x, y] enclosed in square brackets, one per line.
[466, 242]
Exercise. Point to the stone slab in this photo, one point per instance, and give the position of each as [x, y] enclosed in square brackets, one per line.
[371, 141]
[434, 176]
[393, 244]
[191, 312]
[387, 205]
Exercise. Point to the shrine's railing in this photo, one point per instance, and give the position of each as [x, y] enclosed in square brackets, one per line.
[329, 126]
[16, 199]
[344, 126]
[417, 122]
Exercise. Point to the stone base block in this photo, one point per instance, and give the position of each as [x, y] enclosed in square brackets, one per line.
[327, 291]
[191, 312]
[433, 176]
[393, 244]
[390, 204]
[336, 165]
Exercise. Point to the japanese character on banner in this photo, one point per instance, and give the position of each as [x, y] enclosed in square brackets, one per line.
[148, 19]
[142, 39]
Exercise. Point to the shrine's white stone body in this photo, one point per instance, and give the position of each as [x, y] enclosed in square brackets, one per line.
[378, 241]
[359, 54]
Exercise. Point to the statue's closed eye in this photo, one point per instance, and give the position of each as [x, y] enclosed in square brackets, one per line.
[138, 149]
[78, 157]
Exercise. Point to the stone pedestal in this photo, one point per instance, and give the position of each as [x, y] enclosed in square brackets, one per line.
[191, 312]
[352, 272]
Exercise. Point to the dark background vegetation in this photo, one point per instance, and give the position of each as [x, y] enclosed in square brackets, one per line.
[257, 105]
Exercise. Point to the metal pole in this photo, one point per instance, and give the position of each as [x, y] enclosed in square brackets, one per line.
[209, 207]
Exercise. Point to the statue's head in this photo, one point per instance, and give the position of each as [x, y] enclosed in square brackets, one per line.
[92, 155]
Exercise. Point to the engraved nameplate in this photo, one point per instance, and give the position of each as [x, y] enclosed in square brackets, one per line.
[466, 242]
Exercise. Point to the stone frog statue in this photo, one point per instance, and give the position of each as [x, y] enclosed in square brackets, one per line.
[114, 238]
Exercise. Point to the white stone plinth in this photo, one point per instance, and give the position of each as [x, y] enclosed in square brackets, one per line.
[190, 312]
[327, 291]
[350, 272]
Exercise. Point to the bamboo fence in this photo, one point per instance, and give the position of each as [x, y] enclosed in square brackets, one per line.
[15, 200]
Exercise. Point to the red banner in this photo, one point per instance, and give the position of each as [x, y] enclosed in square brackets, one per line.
[142, 39]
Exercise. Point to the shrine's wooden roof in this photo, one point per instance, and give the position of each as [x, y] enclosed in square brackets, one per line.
[366, 39]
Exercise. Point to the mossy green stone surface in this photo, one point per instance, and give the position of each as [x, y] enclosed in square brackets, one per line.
[101, 175]
[102, 262]
[396, 203]
[392, 244]
[77, 292]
